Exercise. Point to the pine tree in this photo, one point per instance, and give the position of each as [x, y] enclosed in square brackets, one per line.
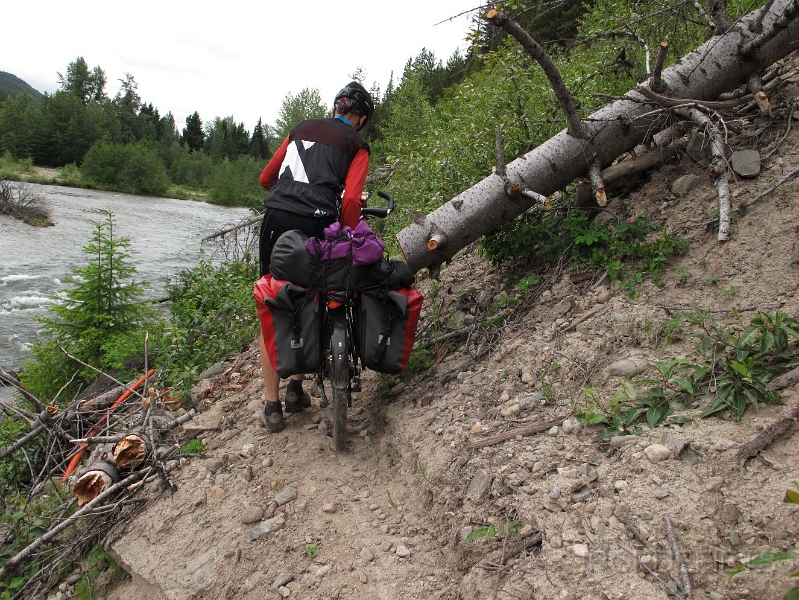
[193, 134]
[97, 313]
[259, 146]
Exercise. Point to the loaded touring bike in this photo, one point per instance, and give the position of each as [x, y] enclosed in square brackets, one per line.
[341, 358]
[325, 310]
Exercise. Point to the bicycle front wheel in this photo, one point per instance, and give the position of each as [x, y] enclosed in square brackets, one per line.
[340, 378]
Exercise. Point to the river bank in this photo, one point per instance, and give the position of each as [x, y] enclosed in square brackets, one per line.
[166, 236]
[69, 176]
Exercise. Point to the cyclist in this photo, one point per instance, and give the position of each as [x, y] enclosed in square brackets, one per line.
[318, 160]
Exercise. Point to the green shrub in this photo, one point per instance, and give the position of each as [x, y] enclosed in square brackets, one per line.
[191, 169]
[132, 168]
[212, 315]
[143, 172]
[235, 183]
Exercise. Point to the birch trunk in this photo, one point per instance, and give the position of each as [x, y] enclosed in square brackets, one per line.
[717, 66]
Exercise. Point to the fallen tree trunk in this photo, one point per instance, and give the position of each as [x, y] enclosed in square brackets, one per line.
[717, 66]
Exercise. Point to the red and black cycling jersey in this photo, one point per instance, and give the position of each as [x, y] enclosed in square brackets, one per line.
[318, 160]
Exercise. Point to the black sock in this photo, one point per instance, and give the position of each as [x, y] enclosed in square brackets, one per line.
[274, 407]
[295, 386]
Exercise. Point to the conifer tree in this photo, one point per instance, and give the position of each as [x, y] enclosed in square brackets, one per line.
[93, 317]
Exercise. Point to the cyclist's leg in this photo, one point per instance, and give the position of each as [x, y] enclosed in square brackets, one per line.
[274, 224]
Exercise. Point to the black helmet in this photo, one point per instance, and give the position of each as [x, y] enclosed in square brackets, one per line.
[354, 98]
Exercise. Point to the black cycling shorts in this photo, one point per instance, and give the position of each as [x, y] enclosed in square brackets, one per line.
[276, 222]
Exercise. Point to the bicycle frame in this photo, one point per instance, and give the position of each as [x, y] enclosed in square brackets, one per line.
[340, 360]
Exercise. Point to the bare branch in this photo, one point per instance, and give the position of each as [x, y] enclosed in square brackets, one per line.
[779, 24]
[717, 168]
[657, 80]
[769, 434]
[576, 127]
[672, 102]
[686, 580]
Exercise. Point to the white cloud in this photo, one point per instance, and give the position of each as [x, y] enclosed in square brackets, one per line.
[234, 58]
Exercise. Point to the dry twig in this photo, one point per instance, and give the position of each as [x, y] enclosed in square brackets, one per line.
[768, 435]
[528, 429]
[678, 558]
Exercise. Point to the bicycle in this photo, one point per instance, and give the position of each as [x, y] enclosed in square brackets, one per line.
[341, 358]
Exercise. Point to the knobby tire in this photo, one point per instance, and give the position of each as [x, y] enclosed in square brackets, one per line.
[340, 378]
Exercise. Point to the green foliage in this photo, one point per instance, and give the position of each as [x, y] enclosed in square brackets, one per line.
[24, 519]
[96, 563]
[13, 468]
[94, 319]
[742, 363]
[226, 140]
[211, 317]
[192, 447]
[738, 363]
[21, 126]
[310, 550]
[84, 84]
[193, 135]
[628, 250]
[490, 532]
[133, 168]
[190, 168]
[235, 183]
[295, 109]
[420, 361]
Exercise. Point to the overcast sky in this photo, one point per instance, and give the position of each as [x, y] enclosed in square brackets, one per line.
[231, 58]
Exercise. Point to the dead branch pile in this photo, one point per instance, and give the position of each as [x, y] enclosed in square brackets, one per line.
[84, 468]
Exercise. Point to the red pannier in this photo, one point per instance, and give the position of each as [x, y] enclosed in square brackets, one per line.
[386, 328]
[290, 325]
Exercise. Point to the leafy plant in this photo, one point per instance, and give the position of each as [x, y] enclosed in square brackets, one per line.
[526, 285]
[211, 317]
[192, 447]
[420, 361]
[740, 365]
[737, 366]
[310, 550]
[490, 532]
[548, 389]
[628, 250]
[97, 562]
[390, 499]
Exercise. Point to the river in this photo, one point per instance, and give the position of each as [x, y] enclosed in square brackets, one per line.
[165, 236]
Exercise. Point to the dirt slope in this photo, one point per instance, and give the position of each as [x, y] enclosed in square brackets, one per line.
[263, 516]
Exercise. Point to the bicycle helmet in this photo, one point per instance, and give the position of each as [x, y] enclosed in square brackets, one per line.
[354, 98]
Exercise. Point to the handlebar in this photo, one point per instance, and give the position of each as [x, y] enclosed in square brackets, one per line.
[380, 213]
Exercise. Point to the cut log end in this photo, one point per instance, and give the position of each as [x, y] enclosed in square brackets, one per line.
[492, 14]
[435, 241]
[97, 479]
[761, 98]
[131, 451]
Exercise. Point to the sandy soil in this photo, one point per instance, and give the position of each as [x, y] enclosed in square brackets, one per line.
[399, 514]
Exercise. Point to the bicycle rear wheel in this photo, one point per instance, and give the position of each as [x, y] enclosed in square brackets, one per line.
[340, 377]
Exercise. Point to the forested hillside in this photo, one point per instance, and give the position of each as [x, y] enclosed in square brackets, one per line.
[11, 84]
[433, 133]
